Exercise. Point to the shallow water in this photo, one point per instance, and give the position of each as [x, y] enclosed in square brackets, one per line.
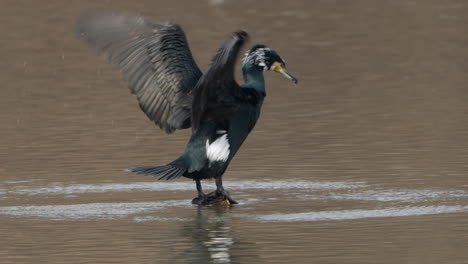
[363, 162]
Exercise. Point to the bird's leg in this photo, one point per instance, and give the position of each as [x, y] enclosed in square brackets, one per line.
[202, 197]
[201, 194]
[220, 190]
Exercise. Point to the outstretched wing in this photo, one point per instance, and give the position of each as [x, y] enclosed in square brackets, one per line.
[155, 59]
[217, 87]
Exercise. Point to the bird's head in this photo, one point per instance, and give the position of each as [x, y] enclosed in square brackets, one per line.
[268, 59]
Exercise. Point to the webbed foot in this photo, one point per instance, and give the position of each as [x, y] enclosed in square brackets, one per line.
[214, 198]
[200, 199]
[220, 196]
[227, 197]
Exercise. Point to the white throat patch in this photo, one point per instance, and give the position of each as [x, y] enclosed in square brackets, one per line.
[218, 150]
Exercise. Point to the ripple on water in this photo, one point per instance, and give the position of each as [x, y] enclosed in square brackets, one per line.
[90, 211]
[302, 190]
[182, 186]
[382, 195]
[360, 214]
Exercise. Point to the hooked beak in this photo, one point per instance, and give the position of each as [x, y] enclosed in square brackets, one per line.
[285, 72]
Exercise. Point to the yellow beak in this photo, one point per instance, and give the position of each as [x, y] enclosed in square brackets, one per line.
[285, 72]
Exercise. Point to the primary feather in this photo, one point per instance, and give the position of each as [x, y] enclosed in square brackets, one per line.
[155, 59]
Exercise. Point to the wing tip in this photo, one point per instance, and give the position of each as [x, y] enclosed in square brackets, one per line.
[241, 35]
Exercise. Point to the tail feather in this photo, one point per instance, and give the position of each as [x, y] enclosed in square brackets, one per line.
[172, 174]
[157, 170]
[166, 172]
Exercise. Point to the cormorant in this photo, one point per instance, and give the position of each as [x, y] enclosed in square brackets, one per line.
[155, 59]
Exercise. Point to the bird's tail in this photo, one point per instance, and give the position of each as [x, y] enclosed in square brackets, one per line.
[165, 172]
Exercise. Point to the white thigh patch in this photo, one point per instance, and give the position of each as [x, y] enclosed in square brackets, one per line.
[218, 150]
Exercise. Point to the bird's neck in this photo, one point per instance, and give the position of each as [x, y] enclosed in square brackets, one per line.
[253, 77]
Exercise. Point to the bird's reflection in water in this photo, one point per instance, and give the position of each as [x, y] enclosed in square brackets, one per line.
[212, 238]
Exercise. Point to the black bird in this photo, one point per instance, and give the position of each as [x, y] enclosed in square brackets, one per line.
[156, 61]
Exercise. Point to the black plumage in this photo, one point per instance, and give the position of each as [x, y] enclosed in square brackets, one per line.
[154, 58]
[156, 61]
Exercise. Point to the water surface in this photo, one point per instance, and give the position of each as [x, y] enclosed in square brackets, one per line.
[363, 162]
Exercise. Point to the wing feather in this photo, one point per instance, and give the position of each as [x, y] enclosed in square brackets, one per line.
[154, 58]
[217, 87]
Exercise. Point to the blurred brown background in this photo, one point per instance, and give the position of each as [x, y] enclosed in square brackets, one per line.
[381, 102]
